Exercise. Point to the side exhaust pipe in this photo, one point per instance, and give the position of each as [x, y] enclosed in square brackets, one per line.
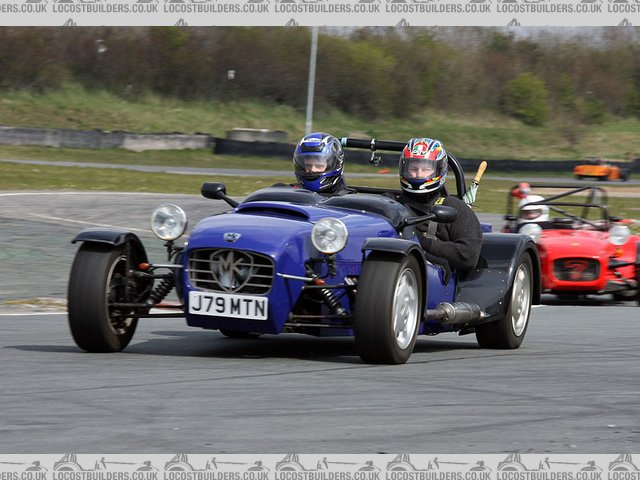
[456, 312]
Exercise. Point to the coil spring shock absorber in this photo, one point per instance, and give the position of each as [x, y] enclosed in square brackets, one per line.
[328, 296]
[162, 290]
[332, 301]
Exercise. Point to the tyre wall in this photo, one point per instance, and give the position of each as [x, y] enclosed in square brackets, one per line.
[247, 142]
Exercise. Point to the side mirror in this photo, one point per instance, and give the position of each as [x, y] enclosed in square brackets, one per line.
[213, 190]
[217, 191]
[439, 213]
[444, 214]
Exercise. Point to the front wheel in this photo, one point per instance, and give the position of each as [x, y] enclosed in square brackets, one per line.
[100, 277]
[508, 332]
[625, 296]
[388, 308]
[638, 284]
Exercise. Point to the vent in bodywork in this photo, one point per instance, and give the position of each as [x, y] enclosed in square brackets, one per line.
[576, 269]
[230, 271]
[270, 210]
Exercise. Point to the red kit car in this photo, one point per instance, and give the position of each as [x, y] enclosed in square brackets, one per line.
[582, 249]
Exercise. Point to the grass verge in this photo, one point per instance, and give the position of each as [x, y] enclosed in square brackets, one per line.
[474, 134]
[624, 200]
[205, 159]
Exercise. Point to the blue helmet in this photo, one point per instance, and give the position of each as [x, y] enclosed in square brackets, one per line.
[319, 162]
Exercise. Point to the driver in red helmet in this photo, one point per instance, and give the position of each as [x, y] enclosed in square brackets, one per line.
[423, 169]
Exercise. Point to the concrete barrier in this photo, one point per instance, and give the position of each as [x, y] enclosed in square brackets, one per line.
[261, 142]
[173, 141]
[62, 137]
[257, 135]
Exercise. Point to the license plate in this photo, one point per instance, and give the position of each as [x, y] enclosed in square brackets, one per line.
[228, 305]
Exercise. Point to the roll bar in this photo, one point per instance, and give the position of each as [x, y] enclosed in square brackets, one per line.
[394, 146]
[593, 191]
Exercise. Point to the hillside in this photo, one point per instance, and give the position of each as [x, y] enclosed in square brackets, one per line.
[485, 135]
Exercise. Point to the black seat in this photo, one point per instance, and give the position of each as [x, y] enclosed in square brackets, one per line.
[390, 209]
[284, 193]
[564, 223]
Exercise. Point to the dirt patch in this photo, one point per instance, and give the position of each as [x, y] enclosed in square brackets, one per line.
[40, 304]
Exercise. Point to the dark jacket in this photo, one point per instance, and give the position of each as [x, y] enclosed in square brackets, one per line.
[459, 242]
[340, 188]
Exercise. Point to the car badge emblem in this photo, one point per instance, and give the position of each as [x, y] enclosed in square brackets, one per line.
[231, 270]
[576, 268]
[231, 237]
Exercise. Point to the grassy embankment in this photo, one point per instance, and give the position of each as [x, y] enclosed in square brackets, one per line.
[482, 136]
[477, 134]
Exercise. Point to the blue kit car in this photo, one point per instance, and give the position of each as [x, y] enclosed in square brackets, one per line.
[290, 260]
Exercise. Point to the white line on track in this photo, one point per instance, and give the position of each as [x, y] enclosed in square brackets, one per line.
[80, 222]
[178, 312]
[30, 314]
[15, 194]
[68, 220]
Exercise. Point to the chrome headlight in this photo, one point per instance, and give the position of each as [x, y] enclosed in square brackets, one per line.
[532, 229]
[619, 234]
[329, 235]
[168, 222]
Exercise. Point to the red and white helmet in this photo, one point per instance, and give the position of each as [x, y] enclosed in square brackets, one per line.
[528, 213]
[423, 166]
[521, 191]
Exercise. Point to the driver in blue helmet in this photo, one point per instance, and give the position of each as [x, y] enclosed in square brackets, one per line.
[319, 164]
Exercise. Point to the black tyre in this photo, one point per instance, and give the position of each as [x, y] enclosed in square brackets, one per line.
[638, 284]
[509, 331]
[626, 296]
[568, 297]
[388, 308]
[236, 334]
[98, 279]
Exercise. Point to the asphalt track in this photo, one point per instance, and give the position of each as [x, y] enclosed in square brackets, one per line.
[234, 172]
[571, 388]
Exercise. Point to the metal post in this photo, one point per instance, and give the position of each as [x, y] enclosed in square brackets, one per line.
[312, 79]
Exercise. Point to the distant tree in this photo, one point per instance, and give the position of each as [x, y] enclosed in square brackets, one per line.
[565, 92]
[633, 107]
[30, 59]
[527, 99]
[591, 110]
[374, 72]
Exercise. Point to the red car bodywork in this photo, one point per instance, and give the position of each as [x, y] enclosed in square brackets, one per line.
[584, 261]
[576, 256]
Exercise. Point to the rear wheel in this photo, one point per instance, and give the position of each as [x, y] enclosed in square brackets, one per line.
[99, 278]
[388, 308]
[509, 331]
